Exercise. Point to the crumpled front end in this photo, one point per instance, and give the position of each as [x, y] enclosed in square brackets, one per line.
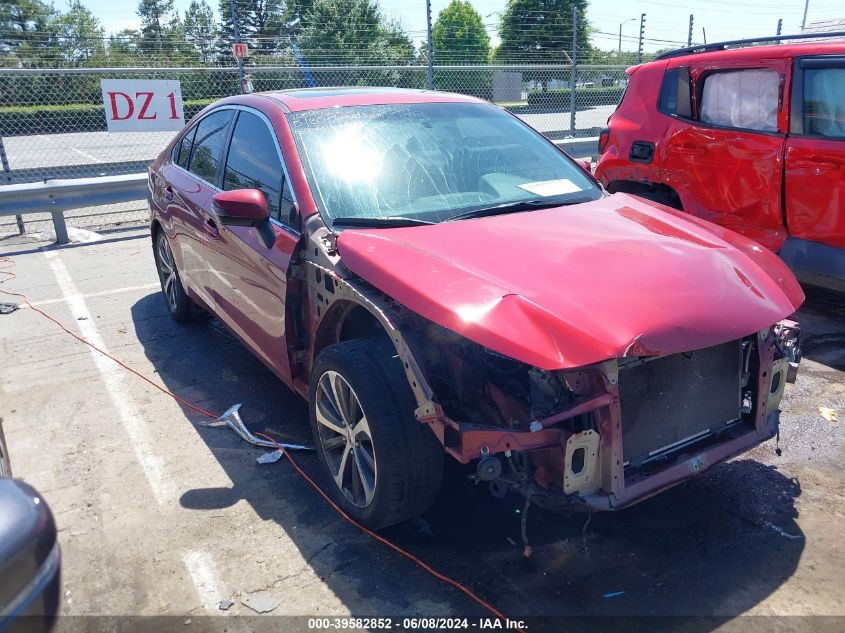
[611, 434]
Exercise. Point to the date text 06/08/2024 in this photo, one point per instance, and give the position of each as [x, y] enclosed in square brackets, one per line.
[411, 624]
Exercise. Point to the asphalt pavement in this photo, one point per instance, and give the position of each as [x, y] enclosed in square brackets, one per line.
[161, 517]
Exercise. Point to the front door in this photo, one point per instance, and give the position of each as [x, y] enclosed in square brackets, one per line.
[248, 278]
[731, 154]
[815, 153]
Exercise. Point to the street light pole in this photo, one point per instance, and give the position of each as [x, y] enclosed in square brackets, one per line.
[619, 50]
[804, 20]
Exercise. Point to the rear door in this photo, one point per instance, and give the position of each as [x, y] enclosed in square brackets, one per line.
[814, 185]
[729, 157]
[191, 181]
[248, 279]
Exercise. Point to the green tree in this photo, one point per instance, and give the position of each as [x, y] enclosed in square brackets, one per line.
[458, 35]
[26, 34]
[262, 25]
[80, 38]
[200, 30]
[352, 32]
[540, 31]
[160, 27]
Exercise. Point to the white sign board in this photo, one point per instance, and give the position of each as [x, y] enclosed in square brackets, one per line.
[143, 105]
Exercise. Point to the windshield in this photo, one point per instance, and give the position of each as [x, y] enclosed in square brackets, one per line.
[430, 162]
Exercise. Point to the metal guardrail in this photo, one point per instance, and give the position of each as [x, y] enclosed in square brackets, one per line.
[57, 196]
[585, 147]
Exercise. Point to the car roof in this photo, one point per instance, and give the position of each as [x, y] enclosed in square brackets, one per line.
[300, 99]
[753, 53]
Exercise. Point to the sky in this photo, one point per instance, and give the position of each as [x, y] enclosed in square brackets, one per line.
[666, 23]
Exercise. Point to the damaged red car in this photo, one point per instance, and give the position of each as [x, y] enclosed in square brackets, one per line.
[438, 279]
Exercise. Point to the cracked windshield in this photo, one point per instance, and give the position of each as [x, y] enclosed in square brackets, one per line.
[430, 161]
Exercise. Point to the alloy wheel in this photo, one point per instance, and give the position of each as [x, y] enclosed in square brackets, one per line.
[346, 440]
[167, 272]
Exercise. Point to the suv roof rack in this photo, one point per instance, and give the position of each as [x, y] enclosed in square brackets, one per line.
[719, 46]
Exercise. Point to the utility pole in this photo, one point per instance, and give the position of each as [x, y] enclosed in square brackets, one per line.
[430, 48]
[619, 49]
[236, 31]
[804, 19]
[689, 34]
[780, 26]
[573, 72]
[642, 32]
[704, 34]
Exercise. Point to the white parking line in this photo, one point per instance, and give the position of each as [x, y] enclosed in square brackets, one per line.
[104, 293]
[86, 155]
[200, 564]
[136, 428]
[201, 567]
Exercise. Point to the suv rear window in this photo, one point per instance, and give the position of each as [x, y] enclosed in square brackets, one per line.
[675, 95]
[746, 99]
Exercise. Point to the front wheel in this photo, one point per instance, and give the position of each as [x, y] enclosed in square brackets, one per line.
[180, 306]
[385, 466]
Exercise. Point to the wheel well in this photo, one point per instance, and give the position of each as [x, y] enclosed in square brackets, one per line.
[345, 321]
[653, 191]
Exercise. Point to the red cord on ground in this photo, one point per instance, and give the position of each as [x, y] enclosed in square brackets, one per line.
[454, 583]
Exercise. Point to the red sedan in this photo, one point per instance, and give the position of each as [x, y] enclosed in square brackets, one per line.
[438, 278]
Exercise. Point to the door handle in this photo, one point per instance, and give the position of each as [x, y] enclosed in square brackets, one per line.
[210, 228]
[168, 193]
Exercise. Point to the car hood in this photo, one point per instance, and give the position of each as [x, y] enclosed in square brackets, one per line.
[570, 286]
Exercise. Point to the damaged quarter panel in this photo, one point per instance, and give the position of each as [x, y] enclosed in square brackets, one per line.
[567, 287]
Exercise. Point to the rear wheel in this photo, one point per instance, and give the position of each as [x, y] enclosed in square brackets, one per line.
[180, 306]
[385, 466]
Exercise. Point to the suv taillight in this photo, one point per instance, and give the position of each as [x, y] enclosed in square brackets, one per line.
[604, 137]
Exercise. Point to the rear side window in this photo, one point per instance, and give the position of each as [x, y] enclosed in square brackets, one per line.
[824, 102]
[183, 150]
[208, 145]
[675, 95]
[253, 162]
[746, 99]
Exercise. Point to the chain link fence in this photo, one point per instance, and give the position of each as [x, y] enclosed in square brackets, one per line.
[52, 122]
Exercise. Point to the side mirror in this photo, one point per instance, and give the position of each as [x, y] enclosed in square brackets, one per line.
[241, 207]
[30, 560]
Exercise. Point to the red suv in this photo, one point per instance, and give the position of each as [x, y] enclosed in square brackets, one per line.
[750, 138]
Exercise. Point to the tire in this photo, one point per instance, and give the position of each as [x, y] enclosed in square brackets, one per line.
[386, 448]
[180, 306]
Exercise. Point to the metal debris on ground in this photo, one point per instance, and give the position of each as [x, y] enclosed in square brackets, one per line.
[829, 414]
[260, 601]
[232, 419]
[613, 594]
[781, 531]
[8, 308]
[269, 458]
[225, 604]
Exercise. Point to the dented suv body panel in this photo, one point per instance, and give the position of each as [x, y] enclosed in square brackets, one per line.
[752, 139]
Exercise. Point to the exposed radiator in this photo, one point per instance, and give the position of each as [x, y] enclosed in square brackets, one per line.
[668, 401]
